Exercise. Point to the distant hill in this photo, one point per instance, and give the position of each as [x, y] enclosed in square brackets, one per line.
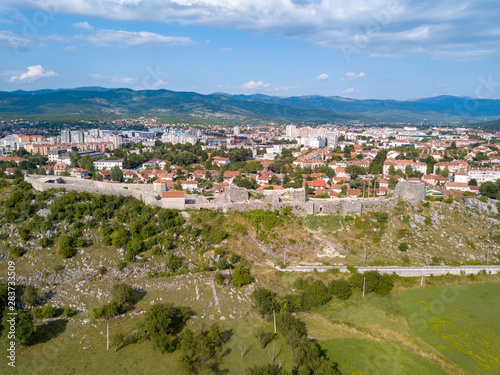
[444, 106]
[312, 108]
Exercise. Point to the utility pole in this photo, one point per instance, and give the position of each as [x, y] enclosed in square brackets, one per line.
[284, 258]
[107, 336]
[363, 188]
[364, 283]
[274, 314]
[488, 258]
[364, 261]
[422, 278]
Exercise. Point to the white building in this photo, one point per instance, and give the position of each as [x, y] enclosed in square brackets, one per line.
[77, 136]
[236, 130]
[483, 175]
[107, 164]
[291, 131]
[314, 142]
[65, 136]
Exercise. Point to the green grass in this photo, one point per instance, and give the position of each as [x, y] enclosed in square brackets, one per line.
[329, 223]
[368, 357]
[64, 354]
[461, 321]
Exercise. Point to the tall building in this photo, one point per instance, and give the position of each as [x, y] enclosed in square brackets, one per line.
[77, 136]
[332, 138]
[65, 136]
[236, 130]
[291, 130]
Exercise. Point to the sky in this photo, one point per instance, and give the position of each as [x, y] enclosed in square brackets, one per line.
[363, 49]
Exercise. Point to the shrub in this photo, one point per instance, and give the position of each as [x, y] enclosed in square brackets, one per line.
[101, 270]
[68, 312]
[269, 369]
[265, 300]
[385, 285]
[45, 242]
[428, 220]
[300, 283]
[30, 296]
[120, 265]
[222, 264]
[382, 217]
[24, 233]
[48, 312]
[219, 279]
[316, 294]
[58, 268]
[403, 246]
[122, 293]
[241, 276]
[17, 251]
[234, 258]
[161, 322]
[66, 247]
[340, 289]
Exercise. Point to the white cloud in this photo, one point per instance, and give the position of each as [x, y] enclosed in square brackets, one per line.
[285, 88]
[105, 38]
[34, 73]
[114, 79]
[322, 77]
[352, 75]
[350, 91]
[10, 40]
[84, 25]
[369, 27]
[252, 85]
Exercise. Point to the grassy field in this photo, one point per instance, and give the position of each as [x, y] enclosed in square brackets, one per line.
[461, 321]
[368, 357]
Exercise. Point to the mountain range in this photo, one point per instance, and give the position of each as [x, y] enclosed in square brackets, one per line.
[222, 106]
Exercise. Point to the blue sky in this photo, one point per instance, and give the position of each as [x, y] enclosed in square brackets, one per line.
[382, 49]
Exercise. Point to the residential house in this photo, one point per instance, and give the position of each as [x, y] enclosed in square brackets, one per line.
[220, 161]
[60, 167]
[230, 175]
[78, 172]
[452, 166]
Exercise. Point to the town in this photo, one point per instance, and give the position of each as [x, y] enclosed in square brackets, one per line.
[328, 161]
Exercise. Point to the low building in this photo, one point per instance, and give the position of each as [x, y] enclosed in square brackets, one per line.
[108, 164]
[173, 199]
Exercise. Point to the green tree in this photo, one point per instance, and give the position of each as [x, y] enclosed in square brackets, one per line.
[74, 159]
[201, 352]
[66, 247]
[489, 189]
[241, 276]
[24, 328]
[123, 294]
[162, 322]
[116, 173]
[30, 296]
[265, 300]
[340, 289]
[269, 369]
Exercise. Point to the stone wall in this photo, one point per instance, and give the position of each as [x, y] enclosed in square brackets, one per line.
[234, 198]
[411, 191]
[142, 192]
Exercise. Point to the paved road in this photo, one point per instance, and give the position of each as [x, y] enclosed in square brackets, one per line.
[404, 271]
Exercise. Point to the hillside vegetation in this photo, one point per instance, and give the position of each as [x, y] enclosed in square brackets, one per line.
[77, 251]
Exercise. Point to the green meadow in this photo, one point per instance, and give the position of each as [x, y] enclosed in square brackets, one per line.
[461, 321]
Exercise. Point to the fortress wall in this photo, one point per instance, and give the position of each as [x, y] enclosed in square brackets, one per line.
[237, 198]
